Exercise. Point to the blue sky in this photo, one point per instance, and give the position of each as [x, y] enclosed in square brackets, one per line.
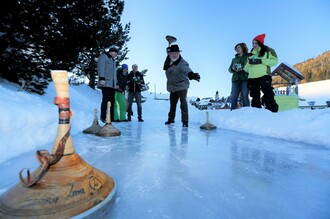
[208, 30]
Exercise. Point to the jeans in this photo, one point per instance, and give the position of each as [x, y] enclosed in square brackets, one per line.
[174, 98]
[130, 98]
[239, 87]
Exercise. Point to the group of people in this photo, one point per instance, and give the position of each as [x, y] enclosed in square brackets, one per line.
[114, 83]
[252, 74]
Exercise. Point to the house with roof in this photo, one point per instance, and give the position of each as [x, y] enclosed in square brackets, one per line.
[287, 97]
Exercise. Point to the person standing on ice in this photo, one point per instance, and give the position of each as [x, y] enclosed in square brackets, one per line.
[178, 74]
[106, 69]
[259, 79]
[120, 101]
[134, 82]
[239, 83]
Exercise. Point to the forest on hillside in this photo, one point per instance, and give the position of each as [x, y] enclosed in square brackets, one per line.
[313, 69]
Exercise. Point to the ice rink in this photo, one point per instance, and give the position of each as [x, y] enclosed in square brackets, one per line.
[173, 172]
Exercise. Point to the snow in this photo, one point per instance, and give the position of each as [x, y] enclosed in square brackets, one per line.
[315, 91]
[28, 120]
[255, 163]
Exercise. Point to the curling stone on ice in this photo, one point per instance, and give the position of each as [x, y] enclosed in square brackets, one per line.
[95, 126]
[64, 185]
[208, 125]
[108, 129]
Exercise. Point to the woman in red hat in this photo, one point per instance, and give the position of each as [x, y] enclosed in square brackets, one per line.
[259, 79]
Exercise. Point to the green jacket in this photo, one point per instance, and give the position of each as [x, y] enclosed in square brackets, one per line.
[240, 75]
[260, 70]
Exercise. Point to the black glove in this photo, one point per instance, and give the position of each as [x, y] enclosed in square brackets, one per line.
[254, 61]
[194, 76]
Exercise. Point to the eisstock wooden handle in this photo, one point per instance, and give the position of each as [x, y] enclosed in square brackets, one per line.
[207, 117]
[109, 113]
[60, 78]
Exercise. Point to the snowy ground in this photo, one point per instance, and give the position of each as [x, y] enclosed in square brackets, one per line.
[256, 164]
[318, 91]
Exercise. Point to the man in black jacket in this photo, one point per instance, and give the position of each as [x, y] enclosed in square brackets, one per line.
[134, 82]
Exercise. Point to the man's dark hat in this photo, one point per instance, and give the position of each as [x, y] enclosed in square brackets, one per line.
[113, 49]
[174, 48]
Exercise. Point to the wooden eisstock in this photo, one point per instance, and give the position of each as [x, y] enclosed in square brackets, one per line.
[64, 185]
[170, 39]
[95, 126]
[208, 125]
[108, 130]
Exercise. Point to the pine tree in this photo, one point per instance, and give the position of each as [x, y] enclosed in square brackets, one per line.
[107, 31]
[22, 56]
[57, 35]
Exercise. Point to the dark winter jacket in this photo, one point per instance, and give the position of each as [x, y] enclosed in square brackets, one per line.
[167, 63]
[177, 75]
[121, 80]
[239, 60]
[134, 81]
[106, 69]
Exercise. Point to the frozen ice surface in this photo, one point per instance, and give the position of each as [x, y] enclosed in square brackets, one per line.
[174, 172]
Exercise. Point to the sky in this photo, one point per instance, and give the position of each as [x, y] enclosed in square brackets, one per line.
[30, 121]
[208, 30]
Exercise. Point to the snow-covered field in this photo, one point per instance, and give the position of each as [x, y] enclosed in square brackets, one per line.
[315, 91]
[256, 164]
[29, 121]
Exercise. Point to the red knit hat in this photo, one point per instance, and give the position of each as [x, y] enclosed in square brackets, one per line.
[260, 38]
